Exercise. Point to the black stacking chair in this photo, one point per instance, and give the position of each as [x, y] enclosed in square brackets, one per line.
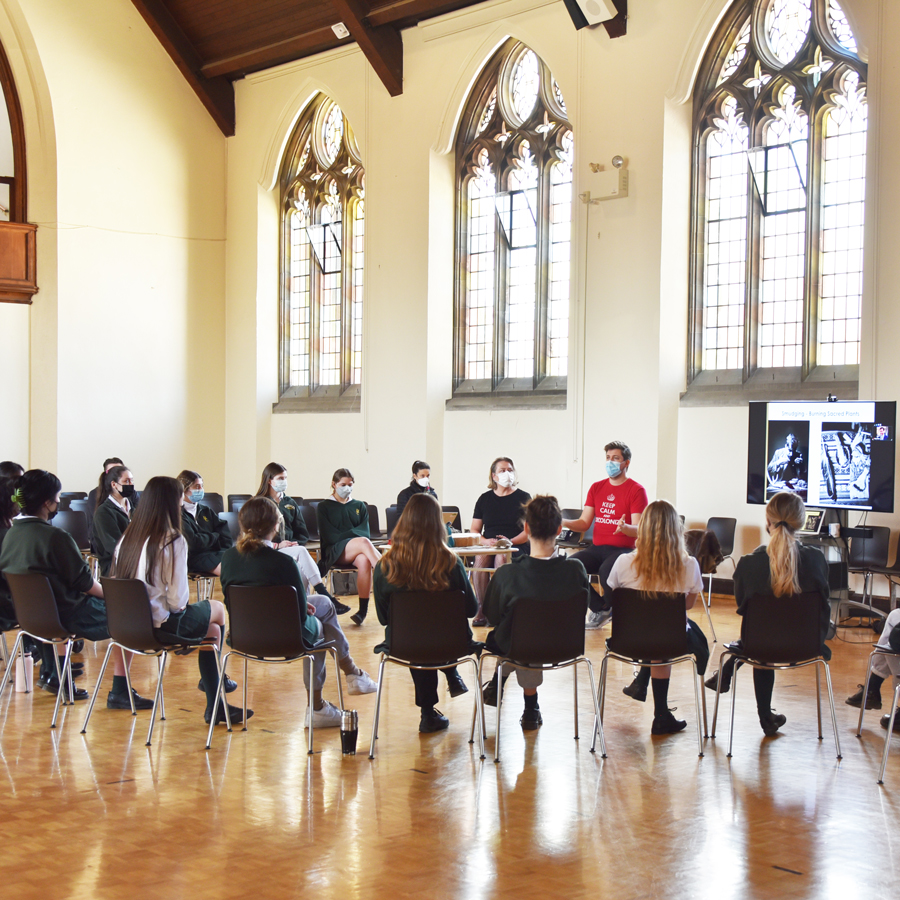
[780, 633]
[214, 502]
[645, 627]
[234, 525]
[869, 557]
[457, 522]
[429, 630]
[536, 645]
[236, 501]
[391, 516]
[265, 627]
[131, 629]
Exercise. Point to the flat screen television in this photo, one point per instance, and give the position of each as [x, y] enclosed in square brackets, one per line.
[836, 455]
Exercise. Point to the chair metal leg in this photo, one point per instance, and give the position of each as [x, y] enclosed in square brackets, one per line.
[703, 701]
[706, 605]
[16, 650]
[733, 705]
[603, 667]
[722, 660]
[598, 725]
[220, 695]
[837, 743]
[865, 694]
[162, 692]
[307, 661]
[890, 731]
[90, 708]
[161, 668]
[818, 703]
[4, 653]
[128, 680]
[378, 708]
[697, 708]
[575, 688]
[499, 707]
[478, 669]
[337, 675]
[66, 670]
[244, 713]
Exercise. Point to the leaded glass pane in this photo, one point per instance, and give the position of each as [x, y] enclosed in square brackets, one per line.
[560, 242]
[356, 310]
[726, 240]
[840, 27]
[488, 113]
[525, 84]
[787, 25]
[479, 326]
[736, 54]
[558, 94]
[299, 295]
[843, 204]
[332, 134]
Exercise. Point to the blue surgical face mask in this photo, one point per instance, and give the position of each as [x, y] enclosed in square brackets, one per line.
[613, 469]
[197, 496]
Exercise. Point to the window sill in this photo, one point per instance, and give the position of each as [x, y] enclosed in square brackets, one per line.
[320, 402]
[488, 400]
[725, 389]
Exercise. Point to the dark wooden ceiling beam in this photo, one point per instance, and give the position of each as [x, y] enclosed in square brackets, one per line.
[413, 10]
[381, 44]
[272, 54]
[217, 93]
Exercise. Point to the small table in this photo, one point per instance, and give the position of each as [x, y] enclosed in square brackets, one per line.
[469, 553]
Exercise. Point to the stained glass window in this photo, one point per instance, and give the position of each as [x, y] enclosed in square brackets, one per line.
[515, 158]
[322, 184]
[778, 211]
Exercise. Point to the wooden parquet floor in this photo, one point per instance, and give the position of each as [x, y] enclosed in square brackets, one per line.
[102, 816]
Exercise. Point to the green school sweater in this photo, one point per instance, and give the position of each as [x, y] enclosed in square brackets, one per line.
[267, 566]
[294, 524]
[339, 523]
[110, 522]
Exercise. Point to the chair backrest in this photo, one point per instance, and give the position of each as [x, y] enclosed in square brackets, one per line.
[645, 627]
[75, 523]
[128, 613]
[723, 529]
[72, 495]
[457, 522]
[234, 525]
[312, 502]
[782, 629]
[236, 501]
[391, 516]
[548, 631]
[35, 604]
[870, 552]
[374, 529]
[312, 523]
[84, 506]
[429, 627]
[265, 620]
[214, 501]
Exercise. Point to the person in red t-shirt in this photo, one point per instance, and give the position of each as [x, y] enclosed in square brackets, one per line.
[614, 506]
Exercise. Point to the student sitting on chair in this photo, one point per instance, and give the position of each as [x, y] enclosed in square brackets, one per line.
[344, 535]
[420, 560]
[420, 484]
[292, 532]
[9, 509]
[255, 561]
[34, 545]
[154, 551]
[883, 667]
[113, 513]
[660, 564]
[542, 574]
[206, 534]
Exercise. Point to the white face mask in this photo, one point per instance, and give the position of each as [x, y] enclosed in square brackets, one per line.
[422, 482]
[506, 479]
[344, 491]
[279, 485]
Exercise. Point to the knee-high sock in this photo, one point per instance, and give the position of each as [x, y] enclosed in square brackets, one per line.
[764, 684]
[209, 675]
[660, 696]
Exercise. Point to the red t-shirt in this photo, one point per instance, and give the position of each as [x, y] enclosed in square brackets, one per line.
[610, 503]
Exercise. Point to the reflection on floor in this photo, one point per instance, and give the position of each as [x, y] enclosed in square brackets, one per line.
[101, 815]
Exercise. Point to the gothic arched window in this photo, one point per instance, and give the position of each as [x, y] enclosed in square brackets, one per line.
[322, 245]
[514, 155]
[778, 200]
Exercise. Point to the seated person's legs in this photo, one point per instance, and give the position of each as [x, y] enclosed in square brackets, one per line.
[426, 681]
[529, 680]
[883, 667]
[480, 584]
[358, 682]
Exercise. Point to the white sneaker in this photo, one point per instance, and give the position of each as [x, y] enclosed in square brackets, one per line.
[361, 684]
[329, 716]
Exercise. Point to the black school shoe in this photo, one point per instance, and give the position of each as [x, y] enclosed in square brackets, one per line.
[636, 690]
[873, 698]
[358, 617]
[531, 719]
[771, 723]
[667, 724]
[455, 685]
[886, 720]
[120, 701]
[51, 686]
[432, 720]
[229, 685]
[340, 608]
[236, 713]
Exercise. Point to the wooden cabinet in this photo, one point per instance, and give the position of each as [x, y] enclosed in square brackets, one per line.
[18, 262]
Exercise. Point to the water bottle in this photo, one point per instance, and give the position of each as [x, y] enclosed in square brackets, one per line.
[349, 731]
[24, 673]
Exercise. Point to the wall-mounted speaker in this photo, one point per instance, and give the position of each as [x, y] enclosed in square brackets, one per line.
[590, 12]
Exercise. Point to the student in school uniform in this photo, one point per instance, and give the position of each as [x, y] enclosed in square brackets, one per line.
[206, 534]
[9, 509]
[255, 561]
[34, 545]
[112, 515]
[420, 484]
[292, 532]
[344, 535]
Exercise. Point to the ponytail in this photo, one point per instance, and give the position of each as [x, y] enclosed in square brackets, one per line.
[785, 514]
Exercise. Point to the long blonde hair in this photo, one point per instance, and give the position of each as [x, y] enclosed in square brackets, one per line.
[659, 556]
[785, 513]
[419, 558]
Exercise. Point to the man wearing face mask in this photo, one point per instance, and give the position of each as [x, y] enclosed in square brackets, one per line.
[420, 484]
[614, 505]
[113, 514]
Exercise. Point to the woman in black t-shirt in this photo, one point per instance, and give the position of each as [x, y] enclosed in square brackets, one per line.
[498, 514]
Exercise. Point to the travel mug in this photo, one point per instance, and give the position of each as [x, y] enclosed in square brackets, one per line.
[24, 674]
[349, 731]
